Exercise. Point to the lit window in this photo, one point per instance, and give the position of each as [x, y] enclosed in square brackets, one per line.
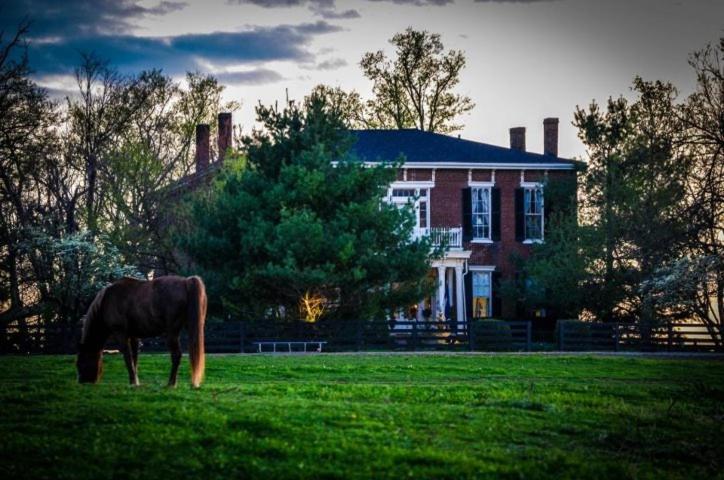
[533, 209]
[481, 213]
[481, 294]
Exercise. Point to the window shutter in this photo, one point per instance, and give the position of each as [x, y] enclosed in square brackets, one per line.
[467, 214]
[519, 215]
[497, 301]
[495, 214]
[548, 207]
[468, 293]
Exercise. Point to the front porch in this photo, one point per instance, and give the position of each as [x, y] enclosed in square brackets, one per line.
[445, 309]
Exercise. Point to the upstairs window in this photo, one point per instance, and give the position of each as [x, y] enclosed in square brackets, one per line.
[481, 213]
[415, 198]
[533, 209]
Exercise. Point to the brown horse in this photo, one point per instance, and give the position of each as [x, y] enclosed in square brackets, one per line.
[131, 309]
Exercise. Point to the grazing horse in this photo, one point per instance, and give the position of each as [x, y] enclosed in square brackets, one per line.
[130, 309]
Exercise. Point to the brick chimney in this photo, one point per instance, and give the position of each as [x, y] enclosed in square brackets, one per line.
[550, 136]
[202, 147]
[517, 138]
[224, 139]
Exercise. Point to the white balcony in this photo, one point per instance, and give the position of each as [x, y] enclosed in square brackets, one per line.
[452, 237]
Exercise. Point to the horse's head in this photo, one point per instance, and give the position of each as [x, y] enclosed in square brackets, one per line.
[89, 364]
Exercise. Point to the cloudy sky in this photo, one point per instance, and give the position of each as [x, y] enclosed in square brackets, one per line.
[527, 59]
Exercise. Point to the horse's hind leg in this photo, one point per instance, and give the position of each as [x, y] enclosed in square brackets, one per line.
[174, 346]
[127, 348]
[133, 342]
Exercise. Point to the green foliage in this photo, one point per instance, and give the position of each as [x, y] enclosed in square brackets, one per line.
[631, 216]
[367, 416]
[293, 224]
[415, 89]
[77, 267]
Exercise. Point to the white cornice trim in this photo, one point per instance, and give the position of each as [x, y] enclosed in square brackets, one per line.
[412, 184]
[483, 166]
[481, 268]
[481, 184]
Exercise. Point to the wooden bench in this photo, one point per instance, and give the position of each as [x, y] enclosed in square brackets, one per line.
[260, 345]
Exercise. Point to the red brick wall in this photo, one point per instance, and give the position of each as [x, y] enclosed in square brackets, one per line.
[446, 211]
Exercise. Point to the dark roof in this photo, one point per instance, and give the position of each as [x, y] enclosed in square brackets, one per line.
[419, 146]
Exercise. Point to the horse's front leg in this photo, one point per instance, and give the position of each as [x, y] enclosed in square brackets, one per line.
[174, 346]
[127, 349]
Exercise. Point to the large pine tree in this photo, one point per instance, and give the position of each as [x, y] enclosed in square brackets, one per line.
[302, 231]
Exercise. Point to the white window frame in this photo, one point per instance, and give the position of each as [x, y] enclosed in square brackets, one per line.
[416, 200]
[478, 269]
[489, 186]
[534, 186]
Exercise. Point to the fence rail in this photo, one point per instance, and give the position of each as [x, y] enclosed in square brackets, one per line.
[356, 335]
[674, 336]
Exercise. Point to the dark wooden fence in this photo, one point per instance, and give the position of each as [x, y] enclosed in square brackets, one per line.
[340, 335]
[357, 335]
[575, 335]
[499, 335]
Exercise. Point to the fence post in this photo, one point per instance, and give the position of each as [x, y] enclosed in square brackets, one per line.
[471, 335]
[528, 335]
[670, 335]
[359, 335]
[616, 335]
[414, 335]
[561, 324]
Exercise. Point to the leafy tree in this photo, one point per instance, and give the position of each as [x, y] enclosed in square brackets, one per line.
[92, 170]
[295, 234]
[347, 106]
[692, 286]
[632, 211]
[416, 88]
[413, 90]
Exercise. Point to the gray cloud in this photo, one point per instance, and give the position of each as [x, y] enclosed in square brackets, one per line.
[417, 3]
[176, 54]
[513, 1]
[331, 14]
[50, 18]
[251, 77]
[283, 3]
[332, 64]
[323, 8]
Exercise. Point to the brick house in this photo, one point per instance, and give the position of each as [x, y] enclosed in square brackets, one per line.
[485, 202]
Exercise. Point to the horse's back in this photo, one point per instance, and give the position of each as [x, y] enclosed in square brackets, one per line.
[142, 308]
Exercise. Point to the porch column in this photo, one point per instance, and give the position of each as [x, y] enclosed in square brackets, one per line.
[450, 294]
[441, 290]
[459, 298]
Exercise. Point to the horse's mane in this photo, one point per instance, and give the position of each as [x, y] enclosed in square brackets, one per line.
[93, 310]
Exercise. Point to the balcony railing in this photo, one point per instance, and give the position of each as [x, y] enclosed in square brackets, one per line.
[452, 237]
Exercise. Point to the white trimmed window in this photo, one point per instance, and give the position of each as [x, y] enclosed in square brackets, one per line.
[416, 198]
[533, 211]
[482, 294]
[481, 213]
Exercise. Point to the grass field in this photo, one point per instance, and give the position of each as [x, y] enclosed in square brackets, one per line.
[367, 416]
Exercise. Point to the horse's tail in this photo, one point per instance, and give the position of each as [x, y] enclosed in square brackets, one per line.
[196, 305]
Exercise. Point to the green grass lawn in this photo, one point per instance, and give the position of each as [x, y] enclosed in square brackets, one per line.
[366, 416]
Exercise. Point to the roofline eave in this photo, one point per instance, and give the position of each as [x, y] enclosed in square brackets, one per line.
[488, 165]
